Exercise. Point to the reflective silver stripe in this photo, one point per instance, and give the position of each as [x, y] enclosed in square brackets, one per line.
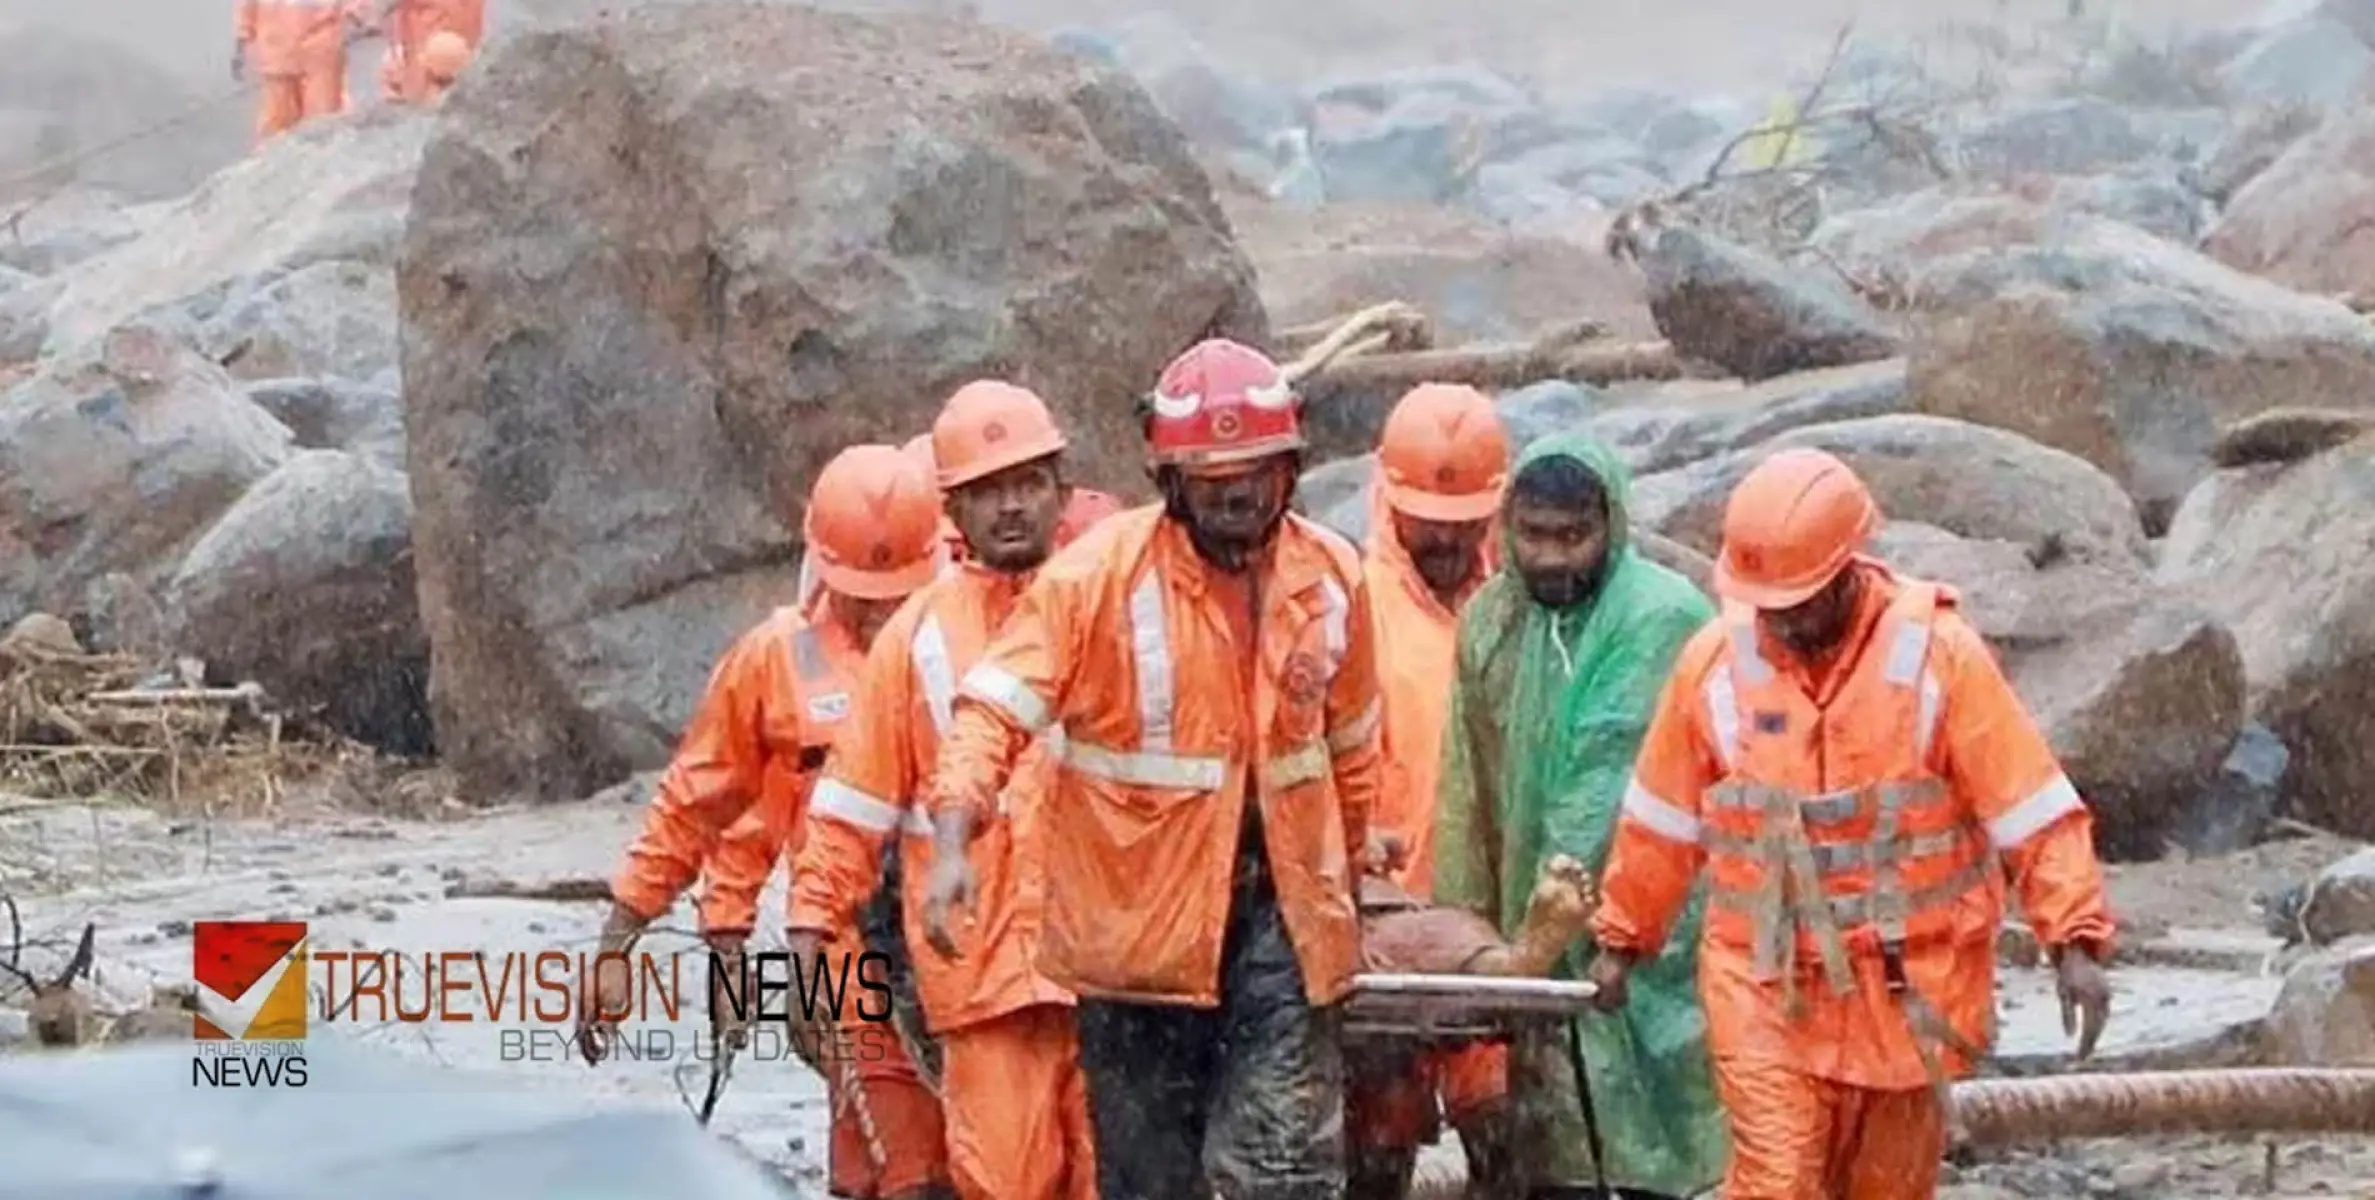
[1303, 764]
[998, 686]
[1658, 815]
[1745, 658]
[2026, 819]
[930, 652]
[1335, 619]
[1867, 907]
[1354, 734]
[808, 655]
[1831, 857]
[1906, 652]
[1723, 714]
[1146, 769]
[1925, 728]
[842, 802]
[1150, 648]
[1831, 808]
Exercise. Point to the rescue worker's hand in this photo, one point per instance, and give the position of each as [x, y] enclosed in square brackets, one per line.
[2085, 991]
[1607, 974]
[728, 963]
[604, 994]
[951, 886]
[1385, 854]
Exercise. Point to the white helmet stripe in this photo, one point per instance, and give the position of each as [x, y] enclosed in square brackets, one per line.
[1171, 406]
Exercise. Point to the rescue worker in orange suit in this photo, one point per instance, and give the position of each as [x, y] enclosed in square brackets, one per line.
[1841, 753]
[408, 72]
[1010, 1078]
[443, 58]
[1442, 466]
[1210, 664]
[734, 800]
[297, 50]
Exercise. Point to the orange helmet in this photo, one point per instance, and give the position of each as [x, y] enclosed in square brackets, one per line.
[873, 524]
[988, 426]
[1793, 524]
[1444, 455]
[444, 55]
[1222, 402]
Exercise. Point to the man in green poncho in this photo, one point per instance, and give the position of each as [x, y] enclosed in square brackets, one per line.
[1561, 658]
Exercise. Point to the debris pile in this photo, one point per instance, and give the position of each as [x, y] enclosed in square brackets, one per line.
[77, 725]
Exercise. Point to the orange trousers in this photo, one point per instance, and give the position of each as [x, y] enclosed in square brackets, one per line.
[1401, 1114]
[1018, 1118]
[1799, 1137]
[908, 1133]
[283, 101]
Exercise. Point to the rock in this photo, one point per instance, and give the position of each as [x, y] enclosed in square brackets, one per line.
[2341, 901]
[1212, 104]
[1678, 558]
[65, 228]
[329, 192]
[1415, 151]
[2158, 202]
[82, 94]
[2124, 350]
[1475, 282]
[43, 631]
[1752, 316]
[1968, 479]
[2252, 146]
[306, 586]
[113, 459]
[2071, 136]
[24, 315]
[2314, 63]
[2325, 1016]
[335, 414]
[1337, 495]
[2285, 555]
[1663, 426]
[2140, 694]
[631, 339]
[2308, 220]
[2282, 435]
[1540, 409]
[330, 319]
[2233, 813]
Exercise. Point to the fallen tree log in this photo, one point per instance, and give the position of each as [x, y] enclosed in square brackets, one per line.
[1498, 368]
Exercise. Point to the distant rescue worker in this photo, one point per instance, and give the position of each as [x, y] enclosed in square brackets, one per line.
[1010, 1079]
[1561, 656]
[1842, 755]
[409, 72]
[735, 798]
[1211, 667]
[297, 51]
[1442, 465]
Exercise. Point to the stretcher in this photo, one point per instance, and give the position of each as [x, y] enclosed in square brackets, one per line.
[1399, 1012]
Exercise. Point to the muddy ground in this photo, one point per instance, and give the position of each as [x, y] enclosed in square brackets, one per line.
[380, 882]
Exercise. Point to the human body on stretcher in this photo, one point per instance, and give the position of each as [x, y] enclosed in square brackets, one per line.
[1402, 1052]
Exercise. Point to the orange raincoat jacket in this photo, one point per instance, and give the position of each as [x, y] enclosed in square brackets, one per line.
[733, 800]
[1415, 656]
[1123, 644]
[1851, 824]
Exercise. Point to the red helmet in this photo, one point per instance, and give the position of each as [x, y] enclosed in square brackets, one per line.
[1222, 402]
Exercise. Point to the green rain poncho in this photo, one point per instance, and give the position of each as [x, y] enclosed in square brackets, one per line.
[1547, 715]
